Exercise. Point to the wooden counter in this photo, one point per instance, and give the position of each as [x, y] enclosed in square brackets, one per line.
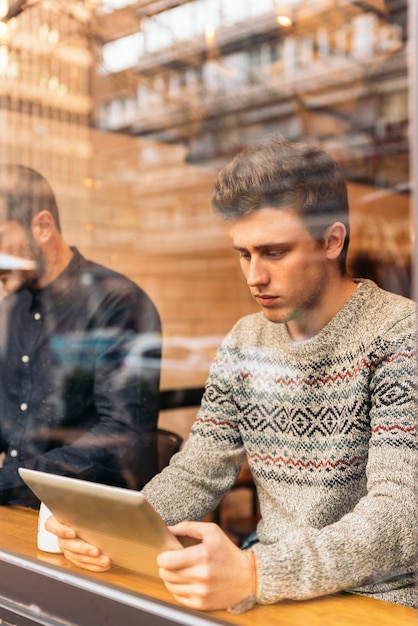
[40, 588]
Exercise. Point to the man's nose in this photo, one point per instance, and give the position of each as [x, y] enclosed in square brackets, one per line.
[257, 273]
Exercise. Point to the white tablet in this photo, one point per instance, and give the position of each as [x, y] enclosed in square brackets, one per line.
[120, 522]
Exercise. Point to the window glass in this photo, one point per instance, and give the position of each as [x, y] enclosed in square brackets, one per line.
[130, 109]
[122, 53]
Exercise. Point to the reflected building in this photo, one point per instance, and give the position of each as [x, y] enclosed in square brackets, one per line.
[216, 75]
[46, 103]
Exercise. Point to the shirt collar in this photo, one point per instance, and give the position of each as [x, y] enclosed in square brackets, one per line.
[59, 289]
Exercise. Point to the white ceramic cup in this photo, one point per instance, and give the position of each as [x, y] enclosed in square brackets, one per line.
[47, 541]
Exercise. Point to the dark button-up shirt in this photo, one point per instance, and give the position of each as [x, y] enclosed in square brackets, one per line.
[79, 380]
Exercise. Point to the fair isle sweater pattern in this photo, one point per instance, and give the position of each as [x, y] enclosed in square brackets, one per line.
[328, 427]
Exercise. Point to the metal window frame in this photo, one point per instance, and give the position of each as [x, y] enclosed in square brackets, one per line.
[33, 592]
[413, 121]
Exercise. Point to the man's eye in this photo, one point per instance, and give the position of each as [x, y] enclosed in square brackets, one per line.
[245, 255]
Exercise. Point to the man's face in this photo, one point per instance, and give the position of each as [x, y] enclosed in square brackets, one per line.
[283, 264]
[15, 241]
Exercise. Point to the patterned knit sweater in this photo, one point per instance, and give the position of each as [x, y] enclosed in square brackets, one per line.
[328, 426]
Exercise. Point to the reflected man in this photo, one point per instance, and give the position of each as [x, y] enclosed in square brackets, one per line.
[68, 404]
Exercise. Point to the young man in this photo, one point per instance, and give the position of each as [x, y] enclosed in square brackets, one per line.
[68, 404]
[317, 391]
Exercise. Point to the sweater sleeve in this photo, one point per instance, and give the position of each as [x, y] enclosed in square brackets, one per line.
[205, 470]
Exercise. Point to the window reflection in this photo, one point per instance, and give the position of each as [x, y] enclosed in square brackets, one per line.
[130, 109]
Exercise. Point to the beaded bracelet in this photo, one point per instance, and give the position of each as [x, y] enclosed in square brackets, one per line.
[249, 602]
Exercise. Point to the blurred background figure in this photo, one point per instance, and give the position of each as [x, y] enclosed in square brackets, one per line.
[66, 327]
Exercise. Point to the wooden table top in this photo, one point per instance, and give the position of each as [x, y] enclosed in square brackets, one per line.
[18, 527]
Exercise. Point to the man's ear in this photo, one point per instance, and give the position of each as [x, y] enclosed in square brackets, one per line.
[43, 227]
[334, 238]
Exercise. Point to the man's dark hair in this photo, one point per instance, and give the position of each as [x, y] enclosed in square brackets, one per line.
[279, 174]
[25, 193]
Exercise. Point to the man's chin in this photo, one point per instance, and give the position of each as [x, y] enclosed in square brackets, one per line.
[277, 317]
[12, 282]
[9, 286]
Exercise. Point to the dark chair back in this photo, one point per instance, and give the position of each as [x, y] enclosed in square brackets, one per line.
[180, 398]
[168, 443]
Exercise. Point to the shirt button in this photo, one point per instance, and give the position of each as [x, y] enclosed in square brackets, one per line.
[24, 406]
[25, 358]
[37, 316]
[13, 453]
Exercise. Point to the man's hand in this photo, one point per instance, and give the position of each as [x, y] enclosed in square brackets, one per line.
[75, 549]
[214, 574]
